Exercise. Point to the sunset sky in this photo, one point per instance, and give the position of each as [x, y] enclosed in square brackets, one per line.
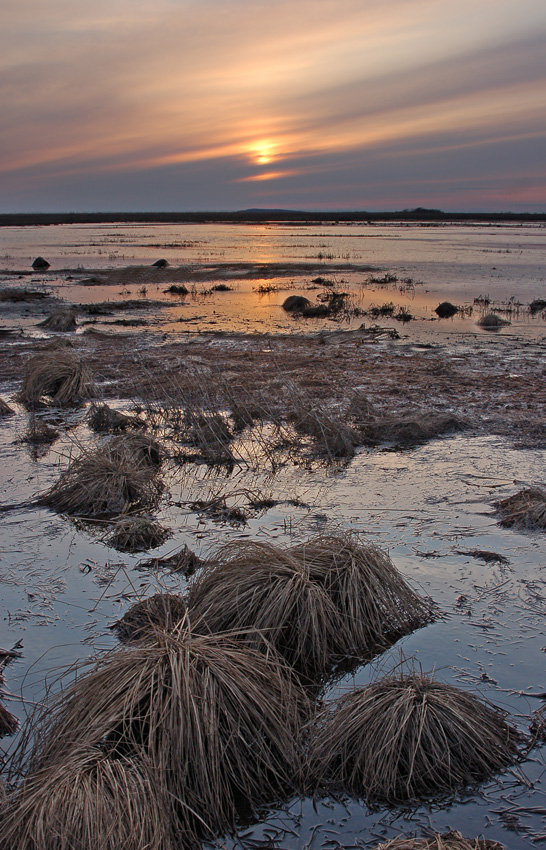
[117, 105]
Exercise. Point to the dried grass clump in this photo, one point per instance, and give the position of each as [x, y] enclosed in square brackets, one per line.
[58, 376]
[407, 738]
[376, 603]
[136, 534]
[270, 596]
[105, 481]
[525, 509]
[184, 561]
[538, 724]
[492, 321]
[5, 409]
[60, 321]
[211, 433]
[39, 433]
[415, 428]
[161, 612]
[142, 447]
[87, 800]
[217, 721]
[8, 722]
[104, 420]
[334, 439]
[440, 841]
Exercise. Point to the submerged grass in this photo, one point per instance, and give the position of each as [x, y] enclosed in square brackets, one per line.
[406, 738]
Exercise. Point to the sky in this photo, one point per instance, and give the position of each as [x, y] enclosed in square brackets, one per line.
[126, 105]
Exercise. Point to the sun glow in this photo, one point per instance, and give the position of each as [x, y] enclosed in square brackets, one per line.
[263, 153]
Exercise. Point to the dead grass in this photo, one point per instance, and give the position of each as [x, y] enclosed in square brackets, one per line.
[413, 428]
[408, 738]
[5, 409]
[88, 800]
[333, 438]
[136, 534]
[8, 722]
[491, 320]
[57, 376]
[184, 561]
[60, 321]
[376, 604]
[538, 724]
[525, 509]
[105, 481]
[17, 294]
[161, 612]
[440, 841]
[39, 433]
[105, 420]
[316, 604]
[217, 720]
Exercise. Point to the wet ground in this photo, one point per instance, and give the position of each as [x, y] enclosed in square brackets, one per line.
[429, 505]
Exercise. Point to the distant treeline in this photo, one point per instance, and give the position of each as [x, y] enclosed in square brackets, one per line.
[254, 216]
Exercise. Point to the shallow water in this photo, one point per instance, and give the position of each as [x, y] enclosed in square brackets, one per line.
[62, 586]
[457, 262]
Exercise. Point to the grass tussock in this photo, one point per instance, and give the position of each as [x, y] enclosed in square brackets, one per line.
[525, 509]
[105, 420]
[440, 841]
[268, 595]
[136, 534]
[333, 438]
[413, 428]
[408, 738]
[183, 561]
[160, 612]
[87, 800]
[105, 481]
[217, 721]
[58, 377]
[60, 321]
[375, 602]
[18, 294]
[491, 321]
[317, 603]
[39, 433]
[8, 722]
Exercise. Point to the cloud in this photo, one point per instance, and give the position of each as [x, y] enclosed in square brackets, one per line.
[126, 86]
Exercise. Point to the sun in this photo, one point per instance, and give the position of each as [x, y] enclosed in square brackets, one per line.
[263, 153]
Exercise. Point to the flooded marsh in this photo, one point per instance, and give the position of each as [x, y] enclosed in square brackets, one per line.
[266, 431]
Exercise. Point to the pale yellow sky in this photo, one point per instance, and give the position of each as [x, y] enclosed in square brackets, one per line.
[221, 104]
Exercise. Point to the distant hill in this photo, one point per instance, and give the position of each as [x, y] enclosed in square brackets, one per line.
[257, 215]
